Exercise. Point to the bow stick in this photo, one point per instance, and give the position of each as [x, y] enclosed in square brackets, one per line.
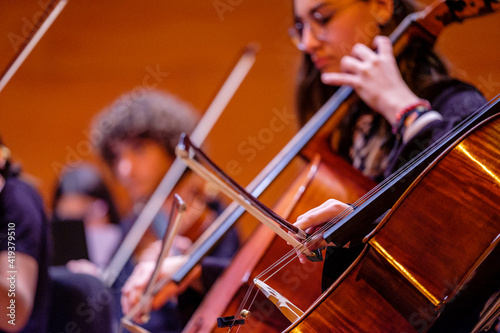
[177, 169]
[53, 10]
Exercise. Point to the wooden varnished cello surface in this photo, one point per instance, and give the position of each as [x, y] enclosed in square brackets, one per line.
[440, 237]
[199, 321]
[300, 283]
[407, 324]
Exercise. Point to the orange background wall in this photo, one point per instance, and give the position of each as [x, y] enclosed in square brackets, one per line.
[97, 50]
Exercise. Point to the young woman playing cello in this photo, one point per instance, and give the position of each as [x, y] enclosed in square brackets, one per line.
[336, 37]
[404, 104]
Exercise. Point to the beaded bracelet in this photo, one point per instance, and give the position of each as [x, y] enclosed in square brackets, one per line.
[419, 108]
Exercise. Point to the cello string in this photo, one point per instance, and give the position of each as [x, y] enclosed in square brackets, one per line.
[276, 264]
[252, 289]
[396, 174]
[284, 261]
[288, 258]
[292, 253]
[384, 183]
[244, 301]
[406, 167]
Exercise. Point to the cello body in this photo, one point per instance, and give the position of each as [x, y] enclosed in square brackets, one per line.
[301, 284]
[248, 261]
[432, 263]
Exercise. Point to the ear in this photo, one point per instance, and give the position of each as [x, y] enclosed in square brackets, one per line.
[4, 156]
[382, 10]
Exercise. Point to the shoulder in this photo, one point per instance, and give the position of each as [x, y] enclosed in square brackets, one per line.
[454, 100]
[454, 97]
[22, 207]
[19, 198]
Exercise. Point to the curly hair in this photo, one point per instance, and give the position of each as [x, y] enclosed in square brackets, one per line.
[154, 115]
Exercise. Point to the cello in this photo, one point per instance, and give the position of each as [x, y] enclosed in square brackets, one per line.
[315, 183]
[416, 263]
[476, 9]
[419, 263]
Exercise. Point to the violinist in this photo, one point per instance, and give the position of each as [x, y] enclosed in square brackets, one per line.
[137, 136]
[404, 104]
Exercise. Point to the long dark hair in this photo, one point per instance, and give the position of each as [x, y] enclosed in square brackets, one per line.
[419, 66]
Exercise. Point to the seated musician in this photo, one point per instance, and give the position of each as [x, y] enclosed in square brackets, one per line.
[81, 194]
[137, 136]
[24, 253]
[403, 104]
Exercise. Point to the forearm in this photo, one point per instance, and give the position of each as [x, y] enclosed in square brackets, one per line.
[17, 291]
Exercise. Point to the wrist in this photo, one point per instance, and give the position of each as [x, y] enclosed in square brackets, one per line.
[397, 102]
[406, 116]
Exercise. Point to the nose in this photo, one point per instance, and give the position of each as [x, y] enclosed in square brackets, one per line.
[309, 42]
[123, 167]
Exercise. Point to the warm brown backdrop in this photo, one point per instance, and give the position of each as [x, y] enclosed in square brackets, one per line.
[97, 50]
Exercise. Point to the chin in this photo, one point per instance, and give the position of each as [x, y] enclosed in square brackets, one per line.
[329, 69]
[137, 196]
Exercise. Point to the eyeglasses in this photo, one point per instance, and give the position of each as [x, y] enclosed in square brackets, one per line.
[319, 18]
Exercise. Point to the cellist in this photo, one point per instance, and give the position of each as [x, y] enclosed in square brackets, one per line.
[327, 31]
[404, 104]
